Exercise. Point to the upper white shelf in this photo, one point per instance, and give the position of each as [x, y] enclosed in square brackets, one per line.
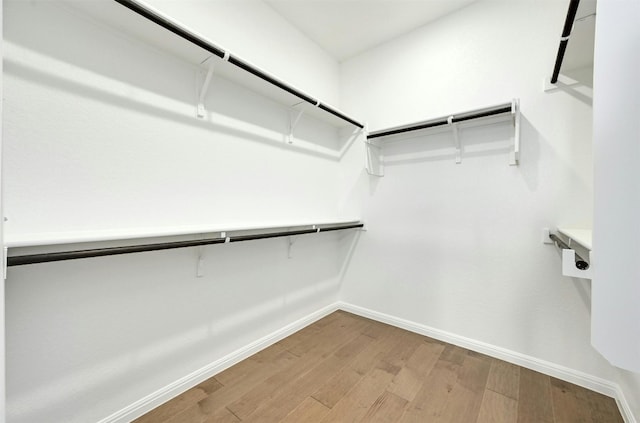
[505, 112]
[147, 24]
[500, 112]
[581, 236]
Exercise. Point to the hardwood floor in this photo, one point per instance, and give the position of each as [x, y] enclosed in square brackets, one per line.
[345, 368]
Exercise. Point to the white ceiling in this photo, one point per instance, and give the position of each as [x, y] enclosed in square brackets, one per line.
[345, 28]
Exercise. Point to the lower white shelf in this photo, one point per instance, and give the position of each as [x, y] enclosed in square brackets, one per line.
[581, 236]
[225, 236]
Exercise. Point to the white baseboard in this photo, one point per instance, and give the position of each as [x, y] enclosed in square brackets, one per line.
[170, 391]
[585, 380]
[159, 397]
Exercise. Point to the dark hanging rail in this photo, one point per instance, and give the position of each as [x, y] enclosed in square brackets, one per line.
[110, 251]
[340, 115]
[270, 235]
[480, 114]
[339, 228]
[581, 263]
[245, 66]
[564, 41]
[194, 39]
[443, 121]
[424, 125]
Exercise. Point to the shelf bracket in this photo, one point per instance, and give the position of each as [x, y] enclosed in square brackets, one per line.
[200, 265]
[294, 118]
[374, 161]
[456, 139]
[515, 153]
[202, 94]
[201, 111]
[289, 247]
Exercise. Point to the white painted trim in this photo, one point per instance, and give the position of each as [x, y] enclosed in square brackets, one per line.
[162, 395]
[170, 391]
[623, 406]
[576, 377]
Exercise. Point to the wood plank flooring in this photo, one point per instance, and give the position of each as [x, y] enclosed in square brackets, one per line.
[345, 368]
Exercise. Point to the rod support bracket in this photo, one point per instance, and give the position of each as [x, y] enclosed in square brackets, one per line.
[201, 111]
[515, 153]
[374, 160]
[290, 242]
[295, 113]
[456, 139]
[569, 266]
[200, 265]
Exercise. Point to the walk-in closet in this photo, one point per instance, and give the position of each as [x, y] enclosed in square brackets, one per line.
[320, 211]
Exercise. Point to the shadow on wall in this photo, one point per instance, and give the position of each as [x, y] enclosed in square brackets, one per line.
[49, 45]
[269, 125]
[530, 143]
[578, 83]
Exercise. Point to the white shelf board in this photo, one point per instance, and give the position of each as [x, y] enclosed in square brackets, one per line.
[73, 237]
[580, 235]
[115, 16]
[476, 121]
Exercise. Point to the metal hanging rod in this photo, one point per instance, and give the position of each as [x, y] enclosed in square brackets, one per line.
[564, 40]
[217, 51]
[444, 121]
[581, 263]
[110, 251]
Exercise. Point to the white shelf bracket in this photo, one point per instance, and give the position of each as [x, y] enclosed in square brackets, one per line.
[289, 247]
[294, 118]
[456, 140]
[200, 265]
[201, 111]
[515, 153]
[374, 160]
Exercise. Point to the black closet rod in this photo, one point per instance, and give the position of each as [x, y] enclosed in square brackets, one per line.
[444, 121]
[580, 262]
[564, 41]
[110, 251]
[194, 39]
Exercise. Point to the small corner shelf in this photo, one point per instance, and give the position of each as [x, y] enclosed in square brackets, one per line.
[579, 239]
[505, 112]
[579, 28]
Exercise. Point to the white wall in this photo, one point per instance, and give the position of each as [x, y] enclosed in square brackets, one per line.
[459, 247]
[100, 134]
[616, 317]
[68, 100]
[86, 339]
